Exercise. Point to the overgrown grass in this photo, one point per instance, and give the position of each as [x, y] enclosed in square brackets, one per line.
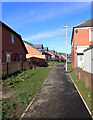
[85, 92]
[69, 67]
[25, 86]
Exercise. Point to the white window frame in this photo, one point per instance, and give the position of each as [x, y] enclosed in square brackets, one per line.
[8, 55]
[90, 39]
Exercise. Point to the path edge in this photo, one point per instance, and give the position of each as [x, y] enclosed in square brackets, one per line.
[36, 95]
[81, 96]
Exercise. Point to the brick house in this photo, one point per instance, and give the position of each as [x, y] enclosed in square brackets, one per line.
[45, 49]
[62, 56]
[82, 52]
[13, 48]
[81, 39]
[54, 56]
[37, 51]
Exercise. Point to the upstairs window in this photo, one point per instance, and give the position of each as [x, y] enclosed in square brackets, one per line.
[12, 38]
[91, 35]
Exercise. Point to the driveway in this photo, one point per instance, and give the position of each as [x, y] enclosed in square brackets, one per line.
[58, 98]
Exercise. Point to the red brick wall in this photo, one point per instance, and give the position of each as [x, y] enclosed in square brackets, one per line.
[53, 56]
[0, 42]
[86, 77]
[39, 61]
[13, 48]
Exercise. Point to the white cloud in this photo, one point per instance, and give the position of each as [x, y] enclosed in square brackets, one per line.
[41, 13]
[47, 34]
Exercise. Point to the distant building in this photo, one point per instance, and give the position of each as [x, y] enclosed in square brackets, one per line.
[69, 58]
[62, 56]
[45, 49]
[37, 51]
[54, 56]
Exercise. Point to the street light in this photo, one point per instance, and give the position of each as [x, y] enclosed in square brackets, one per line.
[66, 46]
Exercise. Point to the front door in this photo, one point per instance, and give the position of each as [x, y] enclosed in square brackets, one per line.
[80, 61]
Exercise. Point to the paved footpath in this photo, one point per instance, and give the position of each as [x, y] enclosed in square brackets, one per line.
[58, 98]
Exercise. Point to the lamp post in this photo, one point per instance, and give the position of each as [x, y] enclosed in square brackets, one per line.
[66, 46]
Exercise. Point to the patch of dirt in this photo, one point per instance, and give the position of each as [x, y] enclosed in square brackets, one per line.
[50, 66]
[7, 94]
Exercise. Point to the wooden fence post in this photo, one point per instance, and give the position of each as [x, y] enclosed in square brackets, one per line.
[21, 65]
[7, 68]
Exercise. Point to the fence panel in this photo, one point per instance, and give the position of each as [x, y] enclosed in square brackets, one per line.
[26, 65]
[9, 68]
[4, 69]
[14, 67]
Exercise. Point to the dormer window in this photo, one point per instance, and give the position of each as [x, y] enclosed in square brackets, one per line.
[12, 38]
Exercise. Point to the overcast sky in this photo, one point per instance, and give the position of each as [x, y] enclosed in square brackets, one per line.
[41, 23]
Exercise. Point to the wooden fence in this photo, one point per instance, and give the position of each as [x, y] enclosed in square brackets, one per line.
[86, 77]
[12, 67]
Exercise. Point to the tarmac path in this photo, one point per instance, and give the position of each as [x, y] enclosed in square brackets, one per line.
[58, 98]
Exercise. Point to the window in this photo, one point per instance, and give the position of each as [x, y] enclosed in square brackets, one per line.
[45, 58]
[8, 57]
[12, 38]
[48, 57]
[91, 35]
[20, 57]
[80, 61]
[81, 58]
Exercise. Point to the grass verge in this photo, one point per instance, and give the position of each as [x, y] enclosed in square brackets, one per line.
[25, 86]
[53, 63]
[85, 92]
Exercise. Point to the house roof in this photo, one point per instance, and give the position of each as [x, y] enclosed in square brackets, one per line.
[45, 48]
[62, 54]
[37, 47]
[52, 51]
[88, 23]
[90, 47]
[11, 30]
[31, 45]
